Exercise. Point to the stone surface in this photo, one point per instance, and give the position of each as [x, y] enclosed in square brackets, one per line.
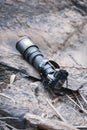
[59, 28]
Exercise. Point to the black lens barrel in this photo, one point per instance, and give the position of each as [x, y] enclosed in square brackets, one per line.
[33, 55]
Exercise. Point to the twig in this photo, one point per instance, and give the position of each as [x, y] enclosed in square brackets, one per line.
[5, 124]
[81, 127]
[1, 94]
[75, 60]
[76, 104]
[79, 68]
[56, 111]
[78, 100]
[82, 97]
[13, 68]
[56, 100]
[14, 118]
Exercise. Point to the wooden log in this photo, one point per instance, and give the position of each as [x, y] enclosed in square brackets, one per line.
[47, 124]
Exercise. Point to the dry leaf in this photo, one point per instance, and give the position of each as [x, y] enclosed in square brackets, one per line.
[12, 78]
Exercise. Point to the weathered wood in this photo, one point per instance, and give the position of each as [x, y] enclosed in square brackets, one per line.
[47, 124]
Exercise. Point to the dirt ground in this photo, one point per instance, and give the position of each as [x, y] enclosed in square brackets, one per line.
[59, 28]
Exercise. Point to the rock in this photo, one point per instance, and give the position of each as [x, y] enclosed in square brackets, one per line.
[47, 124]
[81, 6]
[59, 29]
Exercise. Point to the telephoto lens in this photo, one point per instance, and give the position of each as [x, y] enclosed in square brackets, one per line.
[52, 76]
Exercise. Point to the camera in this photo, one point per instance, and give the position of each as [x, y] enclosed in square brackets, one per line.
[52, 76]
